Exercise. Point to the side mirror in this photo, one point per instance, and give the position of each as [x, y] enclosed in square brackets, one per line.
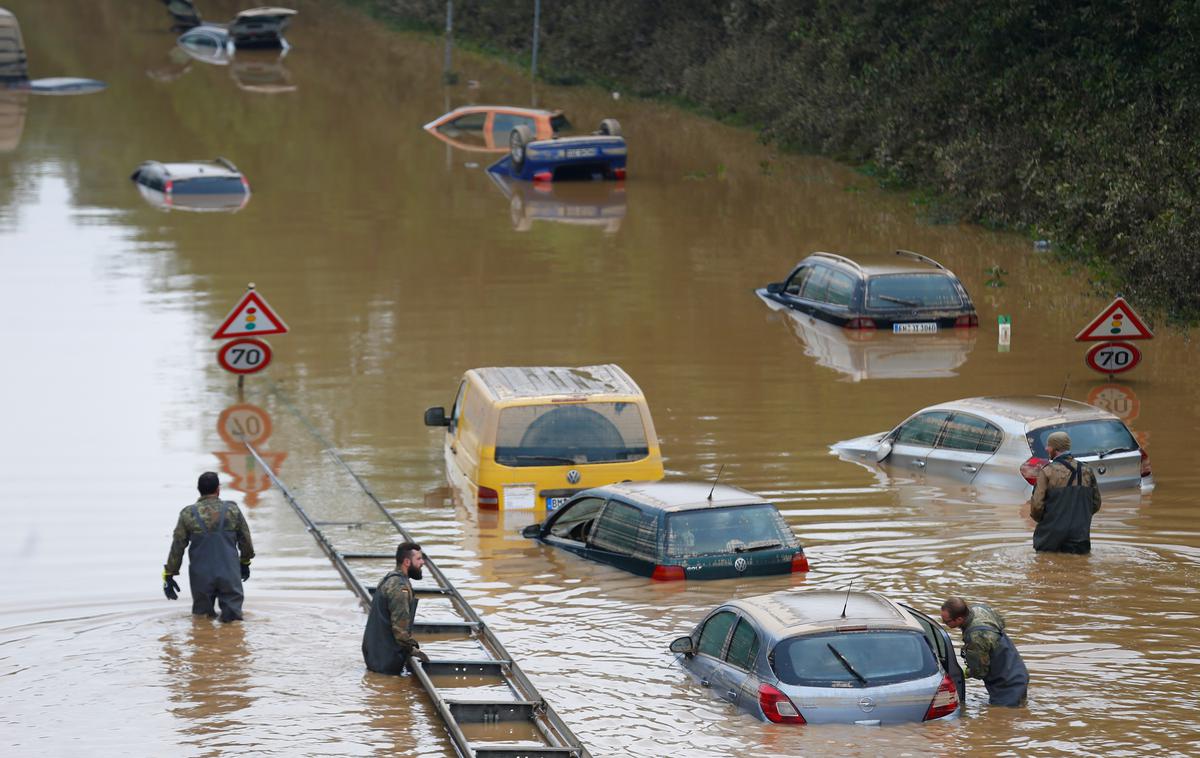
[775, 288]
[436, 417]
[883, 451]
[684, 645]
[532, 532]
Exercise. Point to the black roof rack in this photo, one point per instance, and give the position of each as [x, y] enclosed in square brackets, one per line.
[919, 257]
[839, 259]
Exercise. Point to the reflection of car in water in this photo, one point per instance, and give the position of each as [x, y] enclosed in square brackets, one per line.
[12, 118]
[580, 203]
[601, 155]
[1000, 442]
[870, 354]
[675, 530]
[193, 186]
[825, 657]
[486, 128]
[261, 71]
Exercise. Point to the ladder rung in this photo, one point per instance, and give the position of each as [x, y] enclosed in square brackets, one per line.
[501, 750]
[442, 627]
[461, 667]
[492, 711]
[368, 556]
[433, 591]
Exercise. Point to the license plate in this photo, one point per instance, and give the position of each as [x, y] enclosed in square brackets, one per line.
[922, 327]
[554, 503]
[581, 152]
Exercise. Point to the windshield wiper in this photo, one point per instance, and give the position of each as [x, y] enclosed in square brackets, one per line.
[554, 458]
[768, 545]
[846, 663]
[902, 301]
[1123, 449]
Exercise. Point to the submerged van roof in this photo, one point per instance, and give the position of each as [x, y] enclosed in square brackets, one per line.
[512, 383]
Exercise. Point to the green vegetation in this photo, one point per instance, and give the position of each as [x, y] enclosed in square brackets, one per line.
[1072, 122]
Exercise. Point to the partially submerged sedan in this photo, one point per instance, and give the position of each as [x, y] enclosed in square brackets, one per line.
[825, 657]
[486, 128]
[1001, 442]
[675, 530]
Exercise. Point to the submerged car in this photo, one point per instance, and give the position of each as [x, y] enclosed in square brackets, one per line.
[195, 185]
[903, 292]
[486, 128]
[250, 29]
[675, 530]
[597, 156]
[1001, 442]
[821, 656]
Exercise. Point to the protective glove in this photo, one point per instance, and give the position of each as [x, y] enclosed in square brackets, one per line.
[170, 587]
[416, 654]
[245, 571]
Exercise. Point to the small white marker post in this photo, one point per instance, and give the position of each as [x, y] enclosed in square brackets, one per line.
[1005, 339]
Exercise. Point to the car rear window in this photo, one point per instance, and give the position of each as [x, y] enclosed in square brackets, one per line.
[556, 434]
[1087, 437]
[912, 291]
[210, 185]
[727, 530]
[879, 657]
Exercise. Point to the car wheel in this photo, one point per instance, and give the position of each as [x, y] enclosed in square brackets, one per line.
[518, 138]
[610, 127]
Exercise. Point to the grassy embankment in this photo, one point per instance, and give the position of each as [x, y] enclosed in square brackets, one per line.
[1075, 123]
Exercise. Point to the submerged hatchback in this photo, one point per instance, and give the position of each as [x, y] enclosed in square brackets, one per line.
[903, 292]
[675, 530]
[824, 656]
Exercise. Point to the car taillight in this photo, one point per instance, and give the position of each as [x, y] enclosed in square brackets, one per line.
[1031, 467]
[945, 700]
[778, 708]
[245, 184]
[170, 186]
[618, 173]
[967, 320]
[488, 498]
[668, 573]
[799, 563]
[1145, 462]
[543, 176]
[860, 323]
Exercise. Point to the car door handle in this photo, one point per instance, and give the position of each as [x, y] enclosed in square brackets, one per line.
[732, 695]
[704, 682]
[970, 469]
[919, 464]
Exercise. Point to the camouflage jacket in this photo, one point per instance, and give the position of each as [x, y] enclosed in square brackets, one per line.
[1054, 476]
[210, 510]
[399, 594]
[982, 621]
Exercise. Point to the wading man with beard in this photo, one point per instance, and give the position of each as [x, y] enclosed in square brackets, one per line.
[388, 644]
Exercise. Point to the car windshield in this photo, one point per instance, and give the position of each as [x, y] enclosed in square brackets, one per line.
[210, 185]
[912, 291]
[853, 659]
[727, 530]
[556, 434]
[1087, 437]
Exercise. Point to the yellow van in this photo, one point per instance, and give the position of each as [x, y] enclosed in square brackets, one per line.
[529, 438]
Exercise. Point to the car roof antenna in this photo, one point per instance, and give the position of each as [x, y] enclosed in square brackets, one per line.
[845, 604]
[1063, 393]
[716, 479]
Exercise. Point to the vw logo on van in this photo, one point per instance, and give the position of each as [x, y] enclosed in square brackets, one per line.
[573, 476]
[739, 563]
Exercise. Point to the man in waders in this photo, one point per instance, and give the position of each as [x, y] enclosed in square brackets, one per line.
[215, 533]
[388, 644]
[989, 654]
[1064, 499]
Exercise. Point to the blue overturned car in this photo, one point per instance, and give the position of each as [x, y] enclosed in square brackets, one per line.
[596, 156]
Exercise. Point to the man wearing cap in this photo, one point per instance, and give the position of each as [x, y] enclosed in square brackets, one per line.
[1064, 499]
[219, 552]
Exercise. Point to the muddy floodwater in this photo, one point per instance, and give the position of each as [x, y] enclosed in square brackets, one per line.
[398, 264]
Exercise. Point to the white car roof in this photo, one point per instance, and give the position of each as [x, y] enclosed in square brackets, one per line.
[1021, 413]
[791, 612]
[194, 169]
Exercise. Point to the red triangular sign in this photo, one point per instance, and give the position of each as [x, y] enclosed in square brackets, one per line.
[1116, 322]
[251, 317]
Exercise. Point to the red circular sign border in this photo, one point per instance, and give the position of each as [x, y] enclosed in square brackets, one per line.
[1090, 358]
[244, 341]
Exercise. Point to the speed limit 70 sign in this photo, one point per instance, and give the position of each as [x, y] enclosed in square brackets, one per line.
[244, 356]
[1113, 357]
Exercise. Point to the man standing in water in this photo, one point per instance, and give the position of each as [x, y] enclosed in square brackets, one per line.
[388, 644]
[215, 532]
[989, 654]
[1064, 499]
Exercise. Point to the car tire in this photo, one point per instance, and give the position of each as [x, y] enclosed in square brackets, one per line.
[518, 138]
[610, 127]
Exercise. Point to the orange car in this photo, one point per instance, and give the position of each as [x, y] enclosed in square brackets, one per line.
[485, 128]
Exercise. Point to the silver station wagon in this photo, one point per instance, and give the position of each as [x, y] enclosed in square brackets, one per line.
[824, 656]
[1001, 442]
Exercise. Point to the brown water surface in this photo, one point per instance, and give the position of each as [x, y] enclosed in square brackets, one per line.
[398, 264]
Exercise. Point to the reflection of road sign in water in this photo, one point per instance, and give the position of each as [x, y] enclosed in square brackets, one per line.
[251, 317]
[244, 356]
[247, 476]
[1113, 357]
[244, 423]
[1116, 322]
[1118, 400]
